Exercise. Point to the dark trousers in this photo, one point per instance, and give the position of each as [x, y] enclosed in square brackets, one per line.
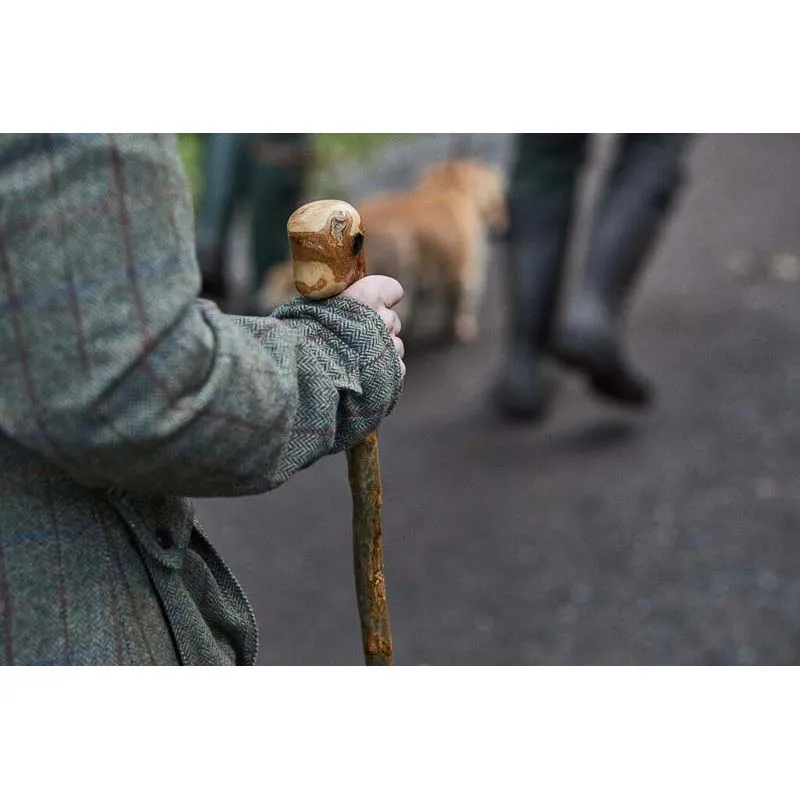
[637, 196]
[238, 169]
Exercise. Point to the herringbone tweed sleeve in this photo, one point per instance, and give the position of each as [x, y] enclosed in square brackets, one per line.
[111, 367]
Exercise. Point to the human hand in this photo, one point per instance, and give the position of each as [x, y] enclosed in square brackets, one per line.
[381, 294]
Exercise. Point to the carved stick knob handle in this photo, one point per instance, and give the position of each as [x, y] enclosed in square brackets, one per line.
[326, 243]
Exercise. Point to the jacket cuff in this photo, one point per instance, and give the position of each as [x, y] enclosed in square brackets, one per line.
[348, 333]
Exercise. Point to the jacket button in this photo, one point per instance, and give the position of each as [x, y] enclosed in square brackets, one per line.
[164, 538]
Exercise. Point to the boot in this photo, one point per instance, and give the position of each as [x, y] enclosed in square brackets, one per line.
[637, 201]
[211, 260]
[541, 205]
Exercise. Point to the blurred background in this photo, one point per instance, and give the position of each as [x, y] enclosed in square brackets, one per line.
[649, 520]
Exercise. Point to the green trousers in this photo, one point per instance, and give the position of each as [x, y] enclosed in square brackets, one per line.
[237, 169]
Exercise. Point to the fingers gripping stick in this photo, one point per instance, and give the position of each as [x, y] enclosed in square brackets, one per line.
[326, 241]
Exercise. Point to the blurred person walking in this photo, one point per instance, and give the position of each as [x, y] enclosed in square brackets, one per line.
[642, 187]
[266, 171]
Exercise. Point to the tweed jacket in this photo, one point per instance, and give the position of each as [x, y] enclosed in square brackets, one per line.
[122, 394]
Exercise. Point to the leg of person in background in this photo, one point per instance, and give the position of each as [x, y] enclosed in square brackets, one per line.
[222, 172]
[542, 197]
[636, 203]
[280, 165]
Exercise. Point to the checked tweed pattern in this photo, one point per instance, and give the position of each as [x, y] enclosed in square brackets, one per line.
[122, 394]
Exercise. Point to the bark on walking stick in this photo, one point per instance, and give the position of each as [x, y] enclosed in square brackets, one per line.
[326, 240]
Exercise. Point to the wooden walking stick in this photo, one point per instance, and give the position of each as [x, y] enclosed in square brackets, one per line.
[326, 241]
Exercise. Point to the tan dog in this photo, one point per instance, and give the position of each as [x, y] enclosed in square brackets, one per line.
[434, 240]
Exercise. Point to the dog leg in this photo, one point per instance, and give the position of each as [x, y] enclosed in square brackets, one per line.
[470, 291]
